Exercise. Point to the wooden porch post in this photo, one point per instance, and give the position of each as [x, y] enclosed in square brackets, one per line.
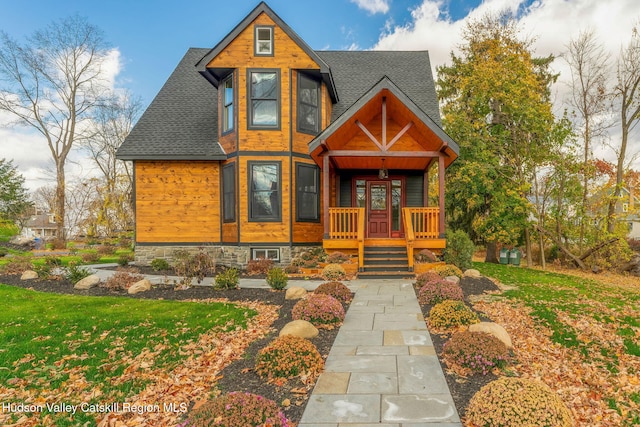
[325, 194]
[441, 195]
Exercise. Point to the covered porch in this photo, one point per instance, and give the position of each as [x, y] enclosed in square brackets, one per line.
[378, 162]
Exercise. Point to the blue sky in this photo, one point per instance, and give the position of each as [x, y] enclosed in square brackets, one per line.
[150, 37]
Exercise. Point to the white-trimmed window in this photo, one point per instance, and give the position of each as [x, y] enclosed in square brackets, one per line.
[266, 253]
[264, 40]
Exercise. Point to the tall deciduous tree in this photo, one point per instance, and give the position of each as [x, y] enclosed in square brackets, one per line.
[495, 98]
[14, 198]
[111, 124]
[627, 94]
[588, 62]
[51, 84]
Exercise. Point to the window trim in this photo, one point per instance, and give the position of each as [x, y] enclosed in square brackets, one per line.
[250, 99]
[251, 216]
[256, 50]
[266, 251]
[225, 104]
[225, 201]
[301, 77]
[299, 193]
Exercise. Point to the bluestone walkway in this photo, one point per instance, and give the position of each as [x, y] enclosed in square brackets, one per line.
[382, 369]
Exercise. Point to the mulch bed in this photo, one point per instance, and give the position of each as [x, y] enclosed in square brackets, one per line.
[239, 375]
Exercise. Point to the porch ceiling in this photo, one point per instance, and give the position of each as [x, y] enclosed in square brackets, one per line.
[383, 127]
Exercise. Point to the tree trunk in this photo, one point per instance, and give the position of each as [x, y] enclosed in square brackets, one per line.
[491, 253]
[527, 238]
[543, 259]
[59, 208]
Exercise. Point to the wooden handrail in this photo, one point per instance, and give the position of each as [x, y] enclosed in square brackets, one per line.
[409, 234]
[348, 224]
[360, 239]
[419, 224]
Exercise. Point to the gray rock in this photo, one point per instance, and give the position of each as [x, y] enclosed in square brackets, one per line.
[295, 292]
[493, 329]
[472, 273]
[88, 282]
[299, 328]
[452, 279]
[141, 286]
[29, 275]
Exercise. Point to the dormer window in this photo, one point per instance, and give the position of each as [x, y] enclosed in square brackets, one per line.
[264, 41]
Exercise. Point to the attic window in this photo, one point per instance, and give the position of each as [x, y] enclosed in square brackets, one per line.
[264, 41]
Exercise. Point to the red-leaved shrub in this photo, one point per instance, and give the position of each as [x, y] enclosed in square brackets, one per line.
[323, 311]
[337, 290]
[439, 290]
[475, 353]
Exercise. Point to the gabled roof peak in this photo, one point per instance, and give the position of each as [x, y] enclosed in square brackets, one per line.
[262, 7]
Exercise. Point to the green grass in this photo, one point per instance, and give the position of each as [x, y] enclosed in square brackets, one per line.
[7, 231]
[560, 302]
[51, 340]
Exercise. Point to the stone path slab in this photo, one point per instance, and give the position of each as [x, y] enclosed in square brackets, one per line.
[382, 369]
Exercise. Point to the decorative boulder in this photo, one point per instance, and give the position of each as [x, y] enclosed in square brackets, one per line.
[452, 279]
[29, 275]
[300, 328]
[472, 273]
[493, 329]
[88, 282]
[295, 292]
[141, 286]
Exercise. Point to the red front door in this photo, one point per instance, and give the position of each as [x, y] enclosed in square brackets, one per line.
[378, 209]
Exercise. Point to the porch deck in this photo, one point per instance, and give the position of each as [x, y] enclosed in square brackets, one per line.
[421, 231]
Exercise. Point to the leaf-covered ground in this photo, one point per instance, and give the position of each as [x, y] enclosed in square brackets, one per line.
[579, 334]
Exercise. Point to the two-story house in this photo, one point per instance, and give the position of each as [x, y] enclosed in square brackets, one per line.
[263, 147]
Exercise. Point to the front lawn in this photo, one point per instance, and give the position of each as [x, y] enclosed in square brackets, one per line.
[75, 350]
[578, 334]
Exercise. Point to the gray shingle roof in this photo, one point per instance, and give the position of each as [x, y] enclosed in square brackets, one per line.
[181, 123]
[355, 72]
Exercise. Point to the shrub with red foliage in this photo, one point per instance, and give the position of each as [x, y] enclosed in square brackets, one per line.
[475, 353]
[439, 290]
[337, 290]
[323, 311]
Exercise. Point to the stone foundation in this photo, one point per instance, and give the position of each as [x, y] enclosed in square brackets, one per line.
[230, 256]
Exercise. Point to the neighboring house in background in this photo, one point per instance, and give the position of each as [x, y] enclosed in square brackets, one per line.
[40, 225]
[626, 210]
[262, 147]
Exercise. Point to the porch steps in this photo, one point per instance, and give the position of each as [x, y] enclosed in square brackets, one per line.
[385, 262]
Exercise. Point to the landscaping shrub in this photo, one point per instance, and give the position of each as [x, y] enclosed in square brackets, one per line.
[196, 266]
[3, 251]
[106, 249]
[277, 278]
[160, 264]
[124, 259]
[259, 266]
[18, 265]
[323, 311]
[439, 290]
[228, 279]
[337, 290]
[515, 402]
[337, 257]
[122, 279]
[475, 353]
[238, 409]
[459, 250]
[289, 357]
[90, 257]
[449, 313]
[75, 273]
[292, 269]
[334, 272]
[428, 276]
[447, 270]
[425, 255]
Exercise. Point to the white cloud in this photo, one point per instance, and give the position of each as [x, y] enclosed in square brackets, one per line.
[373, 6]
[551, 23]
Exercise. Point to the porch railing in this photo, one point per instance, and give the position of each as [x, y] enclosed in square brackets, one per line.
[348, 224]
[419, 224]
